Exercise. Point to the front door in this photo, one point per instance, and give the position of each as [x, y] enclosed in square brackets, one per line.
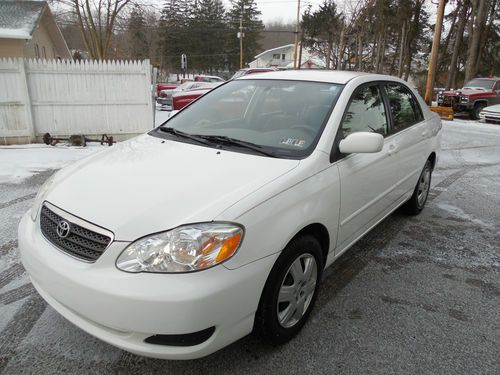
[367, 181]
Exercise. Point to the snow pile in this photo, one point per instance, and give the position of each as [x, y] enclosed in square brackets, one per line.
[22, 161]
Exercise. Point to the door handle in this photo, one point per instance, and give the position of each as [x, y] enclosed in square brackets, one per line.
[392, 149]
[424, 133]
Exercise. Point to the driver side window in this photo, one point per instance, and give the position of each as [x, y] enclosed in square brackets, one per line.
[366, 112]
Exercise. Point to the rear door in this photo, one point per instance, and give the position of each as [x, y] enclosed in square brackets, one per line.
[367, 180]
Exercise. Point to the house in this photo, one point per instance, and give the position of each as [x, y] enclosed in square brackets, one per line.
[28, 30]
[282, 58]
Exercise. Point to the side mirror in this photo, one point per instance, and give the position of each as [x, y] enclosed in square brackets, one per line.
[361, 142]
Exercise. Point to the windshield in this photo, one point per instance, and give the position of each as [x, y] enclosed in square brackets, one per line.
[284, 117]
[482, 83]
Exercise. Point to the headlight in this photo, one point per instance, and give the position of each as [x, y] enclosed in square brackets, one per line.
[184, 249]
[464, 99]
[40, 197]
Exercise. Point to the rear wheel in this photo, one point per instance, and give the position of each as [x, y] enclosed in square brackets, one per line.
[474, 113]
[417, 201]
[290, 291]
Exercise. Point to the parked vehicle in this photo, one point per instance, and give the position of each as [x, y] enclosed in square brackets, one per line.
[182, 99]
[203, 78]
[473, 97]
[491, 113]
[164, 86]
[247, 71]
[165, 98]
[265, 181]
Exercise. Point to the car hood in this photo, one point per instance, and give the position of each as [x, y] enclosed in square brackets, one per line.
[149, 184]
[492, 108]
[467, 92]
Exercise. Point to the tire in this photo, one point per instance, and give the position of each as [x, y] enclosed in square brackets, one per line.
[277, 323]
[417, 201]
[474, 113]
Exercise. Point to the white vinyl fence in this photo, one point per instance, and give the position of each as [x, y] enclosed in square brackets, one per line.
[64, 98]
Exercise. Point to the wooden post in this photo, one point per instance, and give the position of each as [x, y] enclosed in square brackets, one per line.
[431, 75]
[296, 36]
[241, 40]
[300, 48]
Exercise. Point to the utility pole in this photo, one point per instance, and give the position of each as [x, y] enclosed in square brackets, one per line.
[431, 75]
[240, 35]
[300, 48]
[296, 36]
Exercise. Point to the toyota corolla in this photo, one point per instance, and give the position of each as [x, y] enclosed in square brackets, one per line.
[220, 222]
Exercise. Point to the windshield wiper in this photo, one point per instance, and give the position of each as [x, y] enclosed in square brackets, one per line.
[222, 139]
[178, 133]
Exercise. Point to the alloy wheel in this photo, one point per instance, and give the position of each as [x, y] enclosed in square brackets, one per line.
[423, 186]
[297, 290]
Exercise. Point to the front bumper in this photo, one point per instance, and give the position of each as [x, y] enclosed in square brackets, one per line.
[124, 309]
[489, 115]
[166, 101]
[456, 103]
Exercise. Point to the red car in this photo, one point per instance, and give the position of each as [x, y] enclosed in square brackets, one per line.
[183, 98]
[203, 78]
[473, 97]
[246, 71]
[164, 86]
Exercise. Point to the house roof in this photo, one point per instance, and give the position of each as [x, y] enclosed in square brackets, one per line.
[18, 19]
[273, 50]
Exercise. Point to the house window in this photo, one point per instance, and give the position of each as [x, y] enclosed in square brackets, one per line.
[37, 51]
[276, 56]
[283, 56]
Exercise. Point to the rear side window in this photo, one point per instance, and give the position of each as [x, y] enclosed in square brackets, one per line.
[366, 112]
[404, 108]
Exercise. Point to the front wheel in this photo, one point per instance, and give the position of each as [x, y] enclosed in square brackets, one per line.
[474, 113]
[417, 201]
[290, 291]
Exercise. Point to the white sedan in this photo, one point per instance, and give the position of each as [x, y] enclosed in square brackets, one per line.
[221, 221]
[490, 113]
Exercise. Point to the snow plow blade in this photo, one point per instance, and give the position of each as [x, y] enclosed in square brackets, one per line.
[446, 113]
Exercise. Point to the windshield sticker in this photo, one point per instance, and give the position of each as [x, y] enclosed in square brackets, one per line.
[293, 142]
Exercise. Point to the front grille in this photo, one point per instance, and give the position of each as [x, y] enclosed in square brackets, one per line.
[80, 242]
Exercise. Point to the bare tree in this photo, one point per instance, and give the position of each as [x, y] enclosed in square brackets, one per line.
[97, 20]
[480, 11]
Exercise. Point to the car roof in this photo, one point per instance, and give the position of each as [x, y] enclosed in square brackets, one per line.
[328, 76]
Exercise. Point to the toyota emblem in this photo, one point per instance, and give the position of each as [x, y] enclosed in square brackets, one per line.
[63, 229]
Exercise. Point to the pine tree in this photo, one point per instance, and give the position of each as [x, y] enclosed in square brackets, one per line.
[209, 26]
[252, 26]
[138, 47]
[174, 30]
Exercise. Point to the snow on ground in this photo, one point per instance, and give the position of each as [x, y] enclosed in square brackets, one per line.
[19, 162]
[472, 124]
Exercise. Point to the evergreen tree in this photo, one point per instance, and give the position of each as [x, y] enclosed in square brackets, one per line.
[209, 27]
[138, 47]
[321, 29]
[252, 26]
[175, 35]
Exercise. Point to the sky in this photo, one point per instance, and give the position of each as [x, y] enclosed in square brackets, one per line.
[286, 10]
[283, 10]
